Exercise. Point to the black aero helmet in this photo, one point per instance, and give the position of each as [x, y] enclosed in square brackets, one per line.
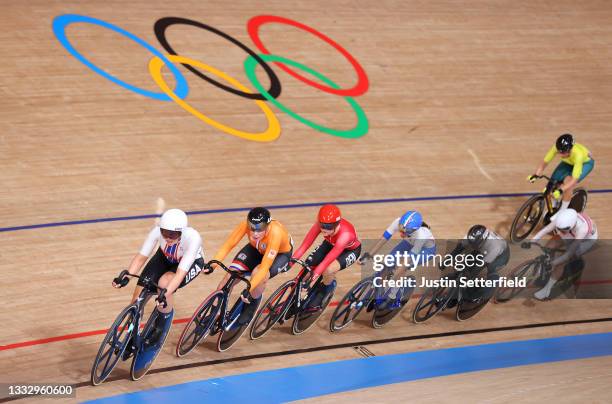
[565, 143]
[258, 219]
[477, 235]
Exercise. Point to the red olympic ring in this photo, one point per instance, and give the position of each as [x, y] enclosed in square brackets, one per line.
[362, 79]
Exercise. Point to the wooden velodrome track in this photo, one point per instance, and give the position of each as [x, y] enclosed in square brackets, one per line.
[464, 99]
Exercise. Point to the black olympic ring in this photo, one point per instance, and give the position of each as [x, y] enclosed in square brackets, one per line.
[160, 32]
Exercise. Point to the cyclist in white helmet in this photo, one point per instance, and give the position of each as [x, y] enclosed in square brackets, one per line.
[176, 262]
[579, 234]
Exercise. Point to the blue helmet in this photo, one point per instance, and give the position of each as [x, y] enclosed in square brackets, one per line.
[410, 221]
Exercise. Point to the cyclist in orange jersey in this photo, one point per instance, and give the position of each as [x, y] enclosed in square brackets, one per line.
[266, 255]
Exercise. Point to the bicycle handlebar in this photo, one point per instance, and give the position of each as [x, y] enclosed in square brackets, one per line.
[161, 296]
[234, 274]
[546, 250]
[301, 263]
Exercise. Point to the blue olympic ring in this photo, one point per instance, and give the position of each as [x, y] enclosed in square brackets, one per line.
[59, 29]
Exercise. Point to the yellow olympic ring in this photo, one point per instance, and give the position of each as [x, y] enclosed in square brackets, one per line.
[273, 131]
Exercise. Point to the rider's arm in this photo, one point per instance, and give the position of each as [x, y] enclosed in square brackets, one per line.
[545, 230]
[193, 244]
[137, 262]
[459, 248]
[392, 229]
[145, 251]
[572, 248]
[377, 246]
[343, 240]
[552, 152]
[274, 242]
[308, 240]
[231, 241]
[175, 282]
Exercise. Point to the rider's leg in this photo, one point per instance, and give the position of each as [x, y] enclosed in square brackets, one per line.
[164, 317]
[558, 271]
[223, 281]
[153, 270]
[560, 174]
[569, 183]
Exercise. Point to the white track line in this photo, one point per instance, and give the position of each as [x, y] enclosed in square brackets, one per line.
[161, 206]
[477, 162]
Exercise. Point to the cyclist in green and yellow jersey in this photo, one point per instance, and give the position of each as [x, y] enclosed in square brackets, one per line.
[576, 163]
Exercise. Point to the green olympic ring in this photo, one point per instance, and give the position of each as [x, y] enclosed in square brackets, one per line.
[359, 130]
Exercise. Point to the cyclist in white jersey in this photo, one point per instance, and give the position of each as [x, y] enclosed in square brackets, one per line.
[579, 234]
[176, 262]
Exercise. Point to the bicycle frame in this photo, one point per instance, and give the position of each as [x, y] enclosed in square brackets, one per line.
[543, 261]
[297, 289]
[141, 301]
[223, 321]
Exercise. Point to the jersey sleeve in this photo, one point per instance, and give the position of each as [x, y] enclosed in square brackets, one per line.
[579, 160]
[231, 241]
[150, 242]
[547, 229]
[343, 240]
[392, 229]
[191, 252]
[417, 246]
[551, 154]
[269, 256]
[308, 240]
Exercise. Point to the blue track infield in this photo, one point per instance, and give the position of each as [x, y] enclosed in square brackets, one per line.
[282, 385]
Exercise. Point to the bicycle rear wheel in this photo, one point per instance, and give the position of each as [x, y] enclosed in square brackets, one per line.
[273, 310]
[200, 324]
[304, 319]
[355, 300]
[113, 345]
[146, 354]
[383, 316]
[433, 301]
[527, 218]
[579, 200]
[232, 332]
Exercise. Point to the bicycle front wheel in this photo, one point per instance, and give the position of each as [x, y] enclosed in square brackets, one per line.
[527, 218]
[273, 309]
[355, 300]
[200, 324]
[114, 344]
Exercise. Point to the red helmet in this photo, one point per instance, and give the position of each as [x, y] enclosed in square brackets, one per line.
[329, 214]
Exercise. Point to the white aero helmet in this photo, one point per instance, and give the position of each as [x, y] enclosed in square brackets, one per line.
[173, 220]
[566, 219]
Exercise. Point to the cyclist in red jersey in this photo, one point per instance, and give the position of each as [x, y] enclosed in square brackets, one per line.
[340, 249]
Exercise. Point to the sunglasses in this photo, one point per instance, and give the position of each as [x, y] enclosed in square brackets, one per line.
[406, 231]
[328, 226]
[258, 228]
[171, 235]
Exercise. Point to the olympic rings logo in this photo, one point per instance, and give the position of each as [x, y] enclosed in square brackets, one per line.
[228, 83]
